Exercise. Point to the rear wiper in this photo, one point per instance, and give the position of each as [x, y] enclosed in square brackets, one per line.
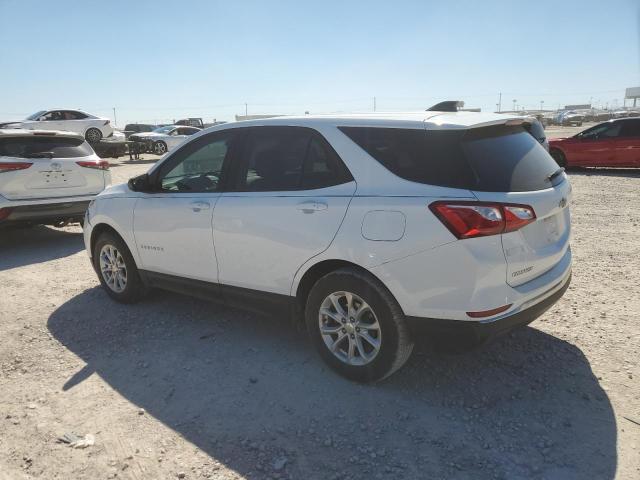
[40, 155]
[555, 174]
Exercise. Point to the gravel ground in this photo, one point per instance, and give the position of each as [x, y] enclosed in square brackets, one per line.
[180, 388]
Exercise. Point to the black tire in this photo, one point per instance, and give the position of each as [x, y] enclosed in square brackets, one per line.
[559, 157]
[134, 289]
[160, 148]
[396, 343]
[93, 135]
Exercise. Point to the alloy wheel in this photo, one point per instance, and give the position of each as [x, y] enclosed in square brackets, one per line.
[349, 328]
[93, 135]
[160, 148]
[113, 268]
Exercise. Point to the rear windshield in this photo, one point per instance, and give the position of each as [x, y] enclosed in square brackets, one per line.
[38, 147]
[491, 159]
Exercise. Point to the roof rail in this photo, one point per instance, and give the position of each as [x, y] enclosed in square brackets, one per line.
[447, 106]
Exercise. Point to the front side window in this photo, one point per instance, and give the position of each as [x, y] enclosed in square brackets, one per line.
[288, 159]
[606, 130]
[53, 116]
[199, 166]
[36, 115]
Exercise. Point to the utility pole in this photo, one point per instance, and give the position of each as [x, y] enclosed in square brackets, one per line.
[514, 104]
[115, 120]
[541, 104]
[246, 109]
[499, 102]
[374, 104]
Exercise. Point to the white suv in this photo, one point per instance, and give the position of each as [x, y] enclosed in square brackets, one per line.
[371, 228]
[47, 177]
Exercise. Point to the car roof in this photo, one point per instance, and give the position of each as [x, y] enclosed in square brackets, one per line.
[426, 119]
[23, 132]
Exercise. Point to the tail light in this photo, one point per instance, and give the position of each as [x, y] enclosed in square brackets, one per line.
[5, 212]
[98, 165]
[481, 219]
[12, 166]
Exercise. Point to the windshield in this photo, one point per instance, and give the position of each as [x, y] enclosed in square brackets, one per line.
[36, 115]
[165, 130]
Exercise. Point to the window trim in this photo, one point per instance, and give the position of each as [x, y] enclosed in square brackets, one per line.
[190, 147]
[238, 163]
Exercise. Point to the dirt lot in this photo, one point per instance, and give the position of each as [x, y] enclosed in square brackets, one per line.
[179, 388]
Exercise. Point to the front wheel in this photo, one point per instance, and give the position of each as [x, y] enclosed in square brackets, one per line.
[117, 269]
[357, 326]
[160, 148]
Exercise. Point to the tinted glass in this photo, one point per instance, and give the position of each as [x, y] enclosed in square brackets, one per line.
[497, 159]
[321, 167]
[199, 169]
[508, 160]
[52, 116]
[37, 147]
[71, 115]
[630, 128]
[288, 159]
[273, 159]
[604, 130]
[434, 158]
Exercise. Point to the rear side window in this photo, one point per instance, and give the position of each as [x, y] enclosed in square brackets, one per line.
[630, 128]
[287, 159]
[39, 147]
[493, 159]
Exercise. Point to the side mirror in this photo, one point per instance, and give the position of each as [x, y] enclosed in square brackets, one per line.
[141, 183]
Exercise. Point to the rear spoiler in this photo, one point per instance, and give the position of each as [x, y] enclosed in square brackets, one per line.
[446, 106]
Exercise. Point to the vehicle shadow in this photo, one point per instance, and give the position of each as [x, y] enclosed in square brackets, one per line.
[250, 392]
[26, 246]
[605, 172]
[138, 161]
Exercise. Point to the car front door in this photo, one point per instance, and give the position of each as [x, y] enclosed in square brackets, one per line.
[289, 193]
[172, 224]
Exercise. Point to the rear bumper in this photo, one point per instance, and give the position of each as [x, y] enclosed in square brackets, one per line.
[483, 331]
[49, 213]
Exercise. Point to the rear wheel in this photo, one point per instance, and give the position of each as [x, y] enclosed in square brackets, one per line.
[357, 326]
[559, 157]
[116, 269]
[93, 135]
[159, 147]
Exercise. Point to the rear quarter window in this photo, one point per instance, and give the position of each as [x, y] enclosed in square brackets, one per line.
[494, 159]
[34, 147]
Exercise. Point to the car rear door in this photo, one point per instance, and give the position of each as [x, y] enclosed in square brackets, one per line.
[289, 195]
[627, 144]
[513, 168]
[172, 224]
[49, 166]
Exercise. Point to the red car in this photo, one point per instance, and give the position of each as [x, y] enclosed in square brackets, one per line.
[615, 143]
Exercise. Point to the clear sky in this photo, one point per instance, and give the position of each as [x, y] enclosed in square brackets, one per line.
[160, 60]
